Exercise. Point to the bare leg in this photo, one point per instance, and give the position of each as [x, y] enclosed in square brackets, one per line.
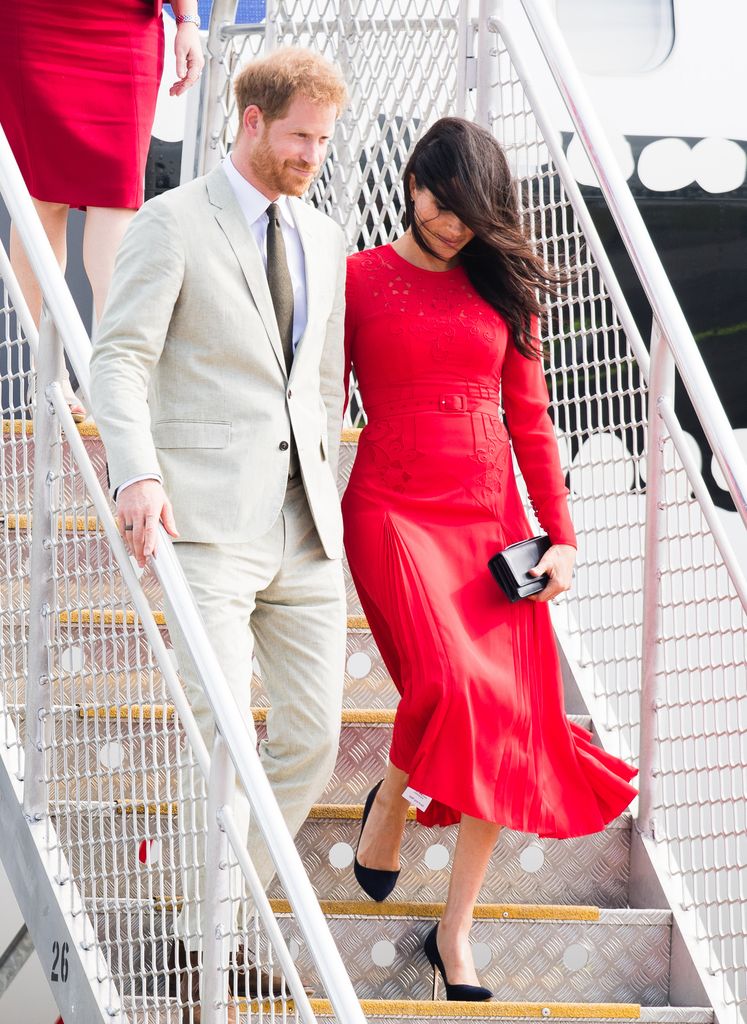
[102, 235]
[382, 836]
[53, 217]
[54, 221]
[474, 847]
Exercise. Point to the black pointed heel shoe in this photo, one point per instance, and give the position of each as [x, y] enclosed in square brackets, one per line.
[462, 993]
[377, 884]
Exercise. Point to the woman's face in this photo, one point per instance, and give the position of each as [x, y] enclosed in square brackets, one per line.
[442, 230]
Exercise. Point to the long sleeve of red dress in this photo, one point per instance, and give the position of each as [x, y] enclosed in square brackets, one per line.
[525, 403]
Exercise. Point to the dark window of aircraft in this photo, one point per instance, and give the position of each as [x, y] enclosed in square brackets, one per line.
[617, 37]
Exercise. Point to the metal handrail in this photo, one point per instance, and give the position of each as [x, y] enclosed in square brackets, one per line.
[264, 806]
[666, 308]
[673, 348]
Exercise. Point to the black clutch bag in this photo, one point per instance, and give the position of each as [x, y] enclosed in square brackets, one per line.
[510, 568]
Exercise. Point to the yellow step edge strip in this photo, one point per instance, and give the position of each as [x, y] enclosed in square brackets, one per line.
[159, 711]
[373, 717]
[350, 716]
[145, 807]
[349, 435]
[345, 812]
[483, 911]
[87, 617]
[406, 1009]
[81, 524]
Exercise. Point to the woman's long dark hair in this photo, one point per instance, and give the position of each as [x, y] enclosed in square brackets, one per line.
[467, 172]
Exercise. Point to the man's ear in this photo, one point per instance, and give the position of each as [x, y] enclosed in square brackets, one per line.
[252, 119]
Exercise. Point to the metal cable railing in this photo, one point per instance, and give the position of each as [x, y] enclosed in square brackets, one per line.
[657, 620]
[113, 761]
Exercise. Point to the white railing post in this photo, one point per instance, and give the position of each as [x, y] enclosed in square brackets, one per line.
[209, 116]
[218, 906]
[271, 20]
[661, 388]
[487, 62]
[49, 367]
[465, 57]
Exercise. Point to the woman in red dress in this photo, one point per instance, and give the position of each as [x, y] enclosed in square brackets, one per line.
[78, 87]
[441, 328]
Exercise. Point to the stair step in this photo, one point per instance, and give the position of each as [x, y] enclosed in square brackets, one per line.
[389, 1011]
[95, 739]
[82, 544]
[92, 641]
[427, 1012]
[534, 954]
[525, 953]
[362, 757]
[591, 869]
[136, 842]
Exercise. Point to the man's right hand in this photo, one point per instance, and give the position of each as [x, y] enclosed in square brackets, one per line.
[139, 508]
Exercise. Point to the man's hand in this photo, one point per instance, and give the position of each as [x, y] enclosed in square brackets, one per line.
[557, 562]
[139, 508]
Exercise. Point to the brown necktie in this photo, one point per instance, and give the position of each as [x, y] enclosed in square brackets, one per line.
[279, 279]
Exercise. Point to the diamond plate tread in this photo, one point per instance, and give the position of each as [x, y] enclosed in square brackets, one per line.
[622, 956]
[120, 854]
[677, 1014]
[113, 756]
[362, 757]
[109, 639]
[523, 869]
[368, 684]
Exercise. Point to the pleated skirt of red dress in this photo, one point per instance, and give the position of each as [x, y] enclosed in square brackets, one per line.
[480, 728]
[78, 88]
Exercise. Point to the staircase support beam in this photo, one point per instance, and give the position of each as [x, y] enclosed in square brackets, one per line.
[51, 907]
[50, 366]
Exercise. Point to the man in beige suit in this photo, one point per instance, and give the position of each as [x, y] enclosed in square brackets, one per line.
[217, 385]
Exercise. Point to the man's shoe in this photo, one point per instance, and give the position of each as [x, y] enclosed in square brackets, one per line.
[246, 981]
[188, 972]
[188, 966]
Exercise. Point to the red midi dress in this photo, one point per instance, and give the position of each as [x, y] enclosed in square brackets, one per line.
[78, 88]
[480, 727]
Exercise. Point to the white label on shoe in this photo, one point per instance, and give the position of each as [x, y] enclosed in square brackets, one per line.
[419, 800]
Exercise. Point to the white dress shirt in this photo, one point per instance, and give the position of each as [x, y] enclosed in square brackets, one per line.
[254, 207]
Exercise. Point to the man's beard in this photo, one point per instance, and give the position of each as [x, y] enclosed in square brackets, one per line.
[276, 174]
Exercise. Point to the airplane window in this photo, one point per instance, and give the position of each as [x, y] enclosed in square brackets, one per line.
[608, 37]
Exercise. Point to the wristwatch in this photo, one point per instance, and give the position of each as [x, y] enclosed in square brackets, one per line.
[192, 19]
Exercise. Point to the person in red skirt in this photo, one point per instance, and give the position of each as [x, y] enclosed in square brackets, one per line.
[441, 328]
[78, 87]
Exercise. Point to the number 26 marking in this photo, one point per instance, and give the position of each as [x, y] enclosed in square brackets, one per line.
[60, 957]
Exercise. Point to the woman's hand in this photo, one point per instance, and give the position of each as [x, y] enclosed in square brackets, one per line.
[189, 58]
[557, 562]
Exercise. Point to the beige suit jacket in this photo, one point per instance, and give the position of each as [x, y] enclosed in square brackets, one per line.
[188, 377]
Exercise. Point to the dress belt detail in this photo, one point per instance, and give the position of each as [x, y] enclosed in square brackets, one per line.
[447, 402]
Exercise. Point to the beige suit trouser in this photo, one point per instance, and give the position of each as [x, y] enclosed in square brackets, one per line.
[283, 599]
